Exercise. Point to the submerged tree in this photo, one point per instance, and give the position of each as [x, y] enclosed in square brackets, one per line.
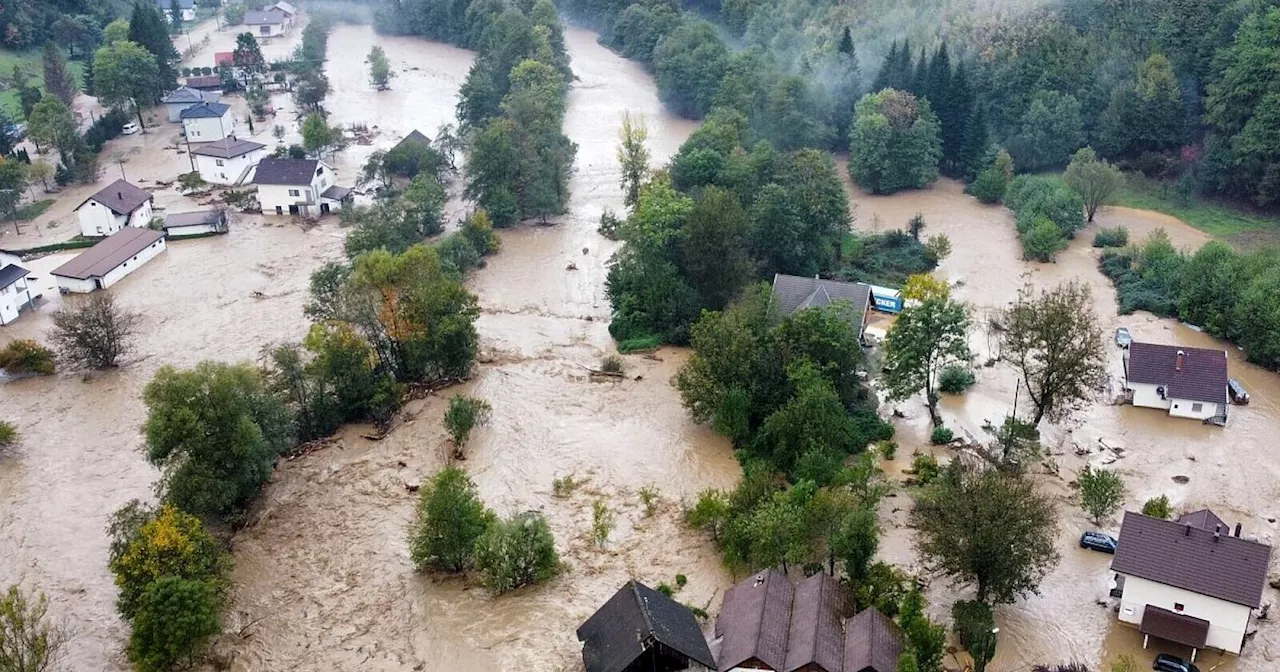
[30, 641]
[925, 339]
[94, 333]
[894, 143]
[633, 156]
[1093, 178]
[450, 519]
[379, 68]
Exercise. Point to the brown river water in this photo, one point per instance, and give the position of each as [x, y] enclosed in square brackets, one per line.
[323, 579]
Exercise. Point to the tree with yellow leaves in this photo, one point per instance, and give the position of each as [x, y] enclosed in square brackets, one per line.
[148, 544]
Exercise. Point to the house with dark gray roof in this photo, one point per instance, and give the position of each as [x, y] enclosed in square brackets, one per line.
[207, 122]
[183, 97]
[186, 9]
[1187, 382]
[227, 161]
[793, 293]
[306, 187]
[1194, 581]
[268, 23]
[642, 630]
[116, 206]
[15, 295]
[107, 262]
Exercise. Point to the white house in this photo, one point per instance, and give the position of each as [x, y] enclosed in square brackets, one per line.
[118, 205]
[1189, 581]
[227, 161]
[186, 9]
[290, 12]
[15, 296]
[183, 97]
[304, 187]
[207, 122]
[196, 223]
[110, 260]
[1187, 382]
[269, 23]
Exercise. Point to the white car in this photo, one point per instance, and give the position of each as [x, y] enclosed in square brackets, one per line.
[130, 128]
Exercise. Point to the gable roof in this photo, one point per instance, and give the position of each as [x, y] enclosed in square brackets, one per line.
[227, 148]
[263, 18]
[814, 634]
[182, 4]
[284, 7]
[205, 82]
[183, 94]
[11, 273]
[1174, 627]
[285, 171]
[1203, 376]
[792, 293]
[1184, 556]
[1203, 519]
[193, 218]
[205, 110]
[120, 196]
[871, 642]
[414, 138]
[631, 622]
[221, 58]
[754, 619]
[109, 253]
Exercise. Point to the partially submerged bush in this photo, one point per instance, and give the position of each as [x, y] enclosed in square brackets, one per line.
[9, 435]
[925, 467]
[25, 356]
[941, 436]
[955, 380]
[463, 415]
[1116, 236]
[516, 552]
[611, 364]
[564, 486]
[450, 519]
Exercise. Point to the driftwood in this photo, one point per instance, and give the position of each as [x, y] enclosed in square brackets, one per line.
[598, 372]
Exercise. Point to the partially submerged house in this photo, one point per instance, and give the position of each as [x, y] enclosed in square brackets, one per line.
[15, 295]
[289, 11]
[184, 97]
[642, 630]
[1189, 581]
[227, 161]
[768, 623]
[116, 206]
[207, 122]
[268, 23]
[195, 223]
[305, 187]
[1187, 382]
[793, 293]
[109, 261]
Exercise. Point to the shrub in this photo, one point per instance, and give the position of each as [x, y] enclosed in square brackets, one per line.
[710, 514]
[478, 230]
[888, 449]
[25, 356]
[191, 181]
[1116, 236]
[450, 519]
[941, 436]
[564, 486]
[9, 435]
[650, 498]
[175, 619]
[989, 186]
[611, 364]
[925, 467]
[1157, 507]
[681, 580]
[457, 253]
[602, 522]
[609, 223]
[955, 380]
[973, 625]
[463, 415]
[640, 344]
[1043, 241]
[665, 589]
[29, 642]
[516, 552]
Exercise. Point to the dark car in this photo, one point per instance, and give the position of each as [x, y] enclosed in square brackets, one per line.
[1167, 663]
[1098, 541]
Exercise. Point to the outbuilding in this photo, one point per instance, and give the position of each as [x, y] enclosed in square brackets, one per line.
[195, 223]
[116, 206]
[184, 97]
[205, 83]
[15, 295]
[207, 122]
[290, 12]
[110, 260]
[1187, 382]
[227, 161]
[269, 23]
[642, 630]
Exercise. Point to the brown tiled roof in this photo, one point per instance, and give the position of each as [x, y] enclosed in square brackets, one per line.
[792, 293]
[109, 253]
[1203, 376]
[205, 82]
[1225, 567]
[754, 619]
[634, 620]
[1174, 627]
[814, 636]
[872, 642]
[120, 196]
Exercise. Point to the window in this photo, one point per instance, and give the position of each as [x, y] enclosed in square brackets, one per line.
[218, 162]
[293, 192]
[1197, 407]
[1178, 607]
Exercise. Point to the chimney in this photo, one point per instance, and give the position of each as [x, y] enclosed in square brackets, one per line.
[1186, 530]
[1181, 355]
[1217, 532]
[1237, 534]
[120, 195]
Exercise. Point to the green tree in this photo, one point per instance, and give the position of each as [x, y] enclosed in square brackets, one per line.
[1146, 114]
[463, 414]
[175, 16]
[28, 96]
[116, 31]
[710, 513]
[1102, 492]
[59, 82]
[925, 639]
[516, 552]
[1158, 507]
[424, 201]
[450, 519]
[351, 386]
[29, 640]
[856, 542]
[925, 339]
[150, 544]
[215, 431]
[175, 619]
[247, 58]
[894, 143]
[689, 65]
[317, 135]
[379, 69]
[633, 156]
[814, 422]
[975, 627]
[1043, 240]
[1049, 130]
[1093, 178]
[1207, 288]
[126, 73]
[712, 247]
[1240, 108]
[50, 124]
[148, 29]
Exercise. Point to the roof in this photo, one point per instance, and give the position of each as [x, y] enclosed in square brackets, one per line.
[227, 148]
[109, 253]
[1184, 556]
[268, 17]
[206, 82]
[183, 94]
[814, 637]
[336, 193]
[284, 7]
[753, 621]
[120, 196]
[1203, 519]
[194, 218]
[205, 110]
[871, 642]
[414, 138]
[1174, 627]
[631, 621]
[221, 58]
[11, 273]
[1203, 376]
[792, 293]
[182, 4]
[285, 171]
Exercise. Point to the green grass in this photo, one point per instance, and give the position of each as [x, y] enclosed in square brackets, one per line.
[640, 344]
[31, 64]
[30, 211]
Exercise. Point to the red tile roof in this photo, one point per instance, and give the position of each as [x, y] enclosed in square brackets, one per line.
[221, 58]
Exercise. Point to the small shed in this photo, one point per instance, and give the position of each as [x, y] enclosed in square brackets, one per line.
[106, 263]
[642, 630]
[205, 83]
[195, 223]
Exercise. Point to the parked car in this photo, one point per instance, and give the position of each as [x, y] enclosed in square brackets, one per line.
[1097, 541]
[1239, 395]
[130, 128]
[1123, 337]
[1168, 663]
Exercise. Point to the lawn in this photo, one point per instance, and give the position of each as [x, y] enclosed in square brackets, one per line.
[31, 64]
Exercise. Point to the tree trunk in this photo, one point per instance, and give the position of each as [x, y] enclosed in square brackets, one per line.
[1039, 413]
[931, 400]
[142, 125]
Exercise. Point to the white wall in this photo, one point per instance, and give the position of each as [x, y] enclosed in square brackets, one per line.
[1185, 408]
[271, 30]
[12, 299]
[74, 285]
[230, 170]
[114, 275]
[175, 110]
[141, 218]
[1144, 394]
[271, 196]
[209, 129]
[98, 220]
[1227, 621]
[190, 230]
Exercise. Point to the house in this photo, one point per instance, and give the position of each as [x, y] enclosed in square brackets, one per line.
[10, 257]
[195, 223]
[104, 264]
[206, 122]
[205, 83]
[269, 23]
[116, 206]
[298, 187]
[768, 623]
[186, 9]
[15, 296]
[642, 630]
[184, 97]
[1188, 382]
[1189, 581]
[792, 293]
[227, 161]
[290, 12]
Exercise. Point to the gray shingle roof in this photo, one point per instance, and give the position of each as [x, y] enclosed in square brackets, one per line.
[1203, 376]
[792, 293]
[259, 18]
[336, 193]
[754, 619]
[815, 636]
[871, 642]
[205, 110]
[632, 621]
[193, 218]
[285, 171]
[11, 273]
[227, 148]
[183, 94]
[109, 253]
[414, 138]
[1184, 556]
[120, 196]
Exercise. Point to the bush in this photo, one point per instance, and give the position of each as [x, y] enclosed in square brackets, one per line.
[564, 485]
[9, 435]
[650, 498]
[609, 223]
[611, 364]
[107, 127]
[1116, 236]
[973, 623]
[681, 580]
[516, 552]
[941, 436]
[29, 641]
[989, 186]
[463, 415]
[458, 254]
[1158, 507]
[640, 344]
[602, 522]
[955, 380]
[1043, 241]
[175, 619]
[450, 519]
[888, 449]
[925, 467]
[710, 514]
[666, 589]
[478, 230]
[25, 356]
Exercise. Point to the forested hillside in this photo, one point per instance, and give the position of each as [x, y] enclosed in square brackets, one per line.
[75, 24]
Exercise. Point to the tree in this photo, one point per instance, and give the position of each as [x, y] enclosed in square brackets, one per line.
[1054, 342]
[247, 58]
[93, 333]
[925, 639]
[50, 123]
[712, 247]
[310, 90]
[215, 431]
[125, 73]
[464, 414]
[689, 65]
[58, 80]
[924, 340]
[516, 552]
[710, 513]
[40, 171]
[894, 143]
[1157, 507]
[975, 627]
[116, 31]
[24, 356]
[856, 542]
[988, 527]
[1147, 113]
[28, 96]
[451, 518]
[424, 201]
[175, 620]
[148, 29]
[150, 544]
[1049, 130]
[175, 16]
[633, 156]
[1093, 178]
[1101, 492]
[317, 135]
[29, 640]
[379, 69]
